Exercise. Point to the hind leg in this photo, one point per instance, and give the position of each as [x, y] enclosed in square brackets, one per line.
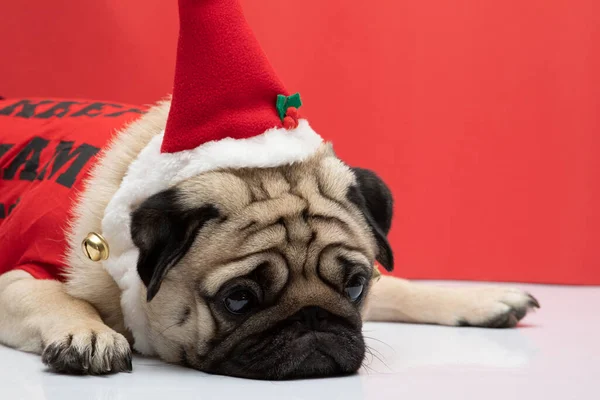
[398, 300]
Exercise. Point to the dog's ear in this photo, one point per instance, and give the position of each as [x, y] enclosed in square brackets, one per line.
[372, 196]
[163, 230]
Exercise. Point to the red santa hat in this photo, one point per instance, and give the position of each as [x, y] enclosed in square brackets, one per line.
[229, 110]
[225, 86]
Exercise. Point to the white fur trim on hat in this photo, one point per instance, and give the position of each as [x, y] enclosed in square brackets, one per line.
[153, 172]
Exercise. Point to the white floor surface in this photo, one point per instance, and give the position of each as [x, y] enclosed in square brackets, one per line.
[553, 354]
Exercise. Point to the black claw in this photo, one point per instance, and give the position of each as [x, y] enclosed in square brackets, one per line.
[128, 367]
[65, 359]
[62, 357]
[520, 313]
[501, 321]
[533, 301]
[50, 353]
[508, 319]
[122, 362]
[94, 339]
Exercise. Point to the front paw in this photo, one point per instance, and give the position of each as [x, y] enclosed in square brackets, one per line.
[88, 351]
[496, 308]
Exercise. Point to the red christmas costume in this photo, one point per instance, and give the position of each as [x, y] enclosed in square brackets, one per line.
[46, 150]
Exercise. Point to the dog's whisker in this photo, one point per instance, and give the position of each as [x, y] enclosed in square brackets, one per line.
[368, 351]
[162, 333]
[367, 368]
[372, 349]
[380, 341]
[380, 360]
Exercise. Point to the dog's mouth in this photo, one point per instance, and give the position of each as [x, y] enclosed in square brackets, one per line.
[312, 355]
[326, 359]
[293, 350]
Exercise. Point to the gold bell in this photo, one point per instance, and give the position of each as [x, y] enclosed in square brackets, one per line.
[95, 247]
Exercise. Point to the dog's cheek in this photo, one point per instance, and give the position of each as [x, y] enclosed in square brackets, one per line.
[181, 327]
[206, 327]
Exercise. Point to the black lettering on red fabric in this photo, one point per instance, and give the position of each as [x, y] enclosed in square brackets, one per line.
[62, 155]
[58, 110]
[4, 148]
[94, 110]
[28, 158]
[4, 212]
[131, 110]
[12, 207]
[27, 108]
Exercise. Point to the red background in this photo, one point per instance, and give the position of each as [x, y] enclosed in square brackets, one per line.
[483, 116]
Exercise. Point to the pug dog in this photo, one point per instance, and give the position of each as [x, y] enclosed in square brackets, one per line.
[260, 273]
[257, 271]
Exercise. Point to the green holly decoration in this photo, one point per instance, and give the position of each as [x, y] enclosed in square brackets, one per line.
[285, 102]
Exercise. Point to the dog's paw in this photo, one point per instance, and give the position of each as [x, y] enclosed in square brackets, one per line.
[495, 307]
[88, 351]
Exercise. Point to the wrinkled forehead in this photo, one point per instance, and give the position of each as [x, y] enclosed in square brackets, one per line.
[296, 220]
[234, 190]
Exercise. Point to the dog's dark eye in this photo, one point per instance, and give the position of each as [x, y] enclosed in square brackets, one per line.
[240, 302]
[354, 288]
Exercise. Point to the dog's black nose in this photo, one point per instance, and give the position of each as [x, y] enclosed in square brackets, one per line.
[311, 316]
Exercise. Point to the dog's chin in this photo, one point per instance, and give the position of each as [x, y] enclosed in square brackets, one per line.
[295, 352]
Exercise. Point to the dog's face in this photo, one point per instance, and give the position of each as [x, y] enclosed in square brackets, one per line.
[263, 273]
